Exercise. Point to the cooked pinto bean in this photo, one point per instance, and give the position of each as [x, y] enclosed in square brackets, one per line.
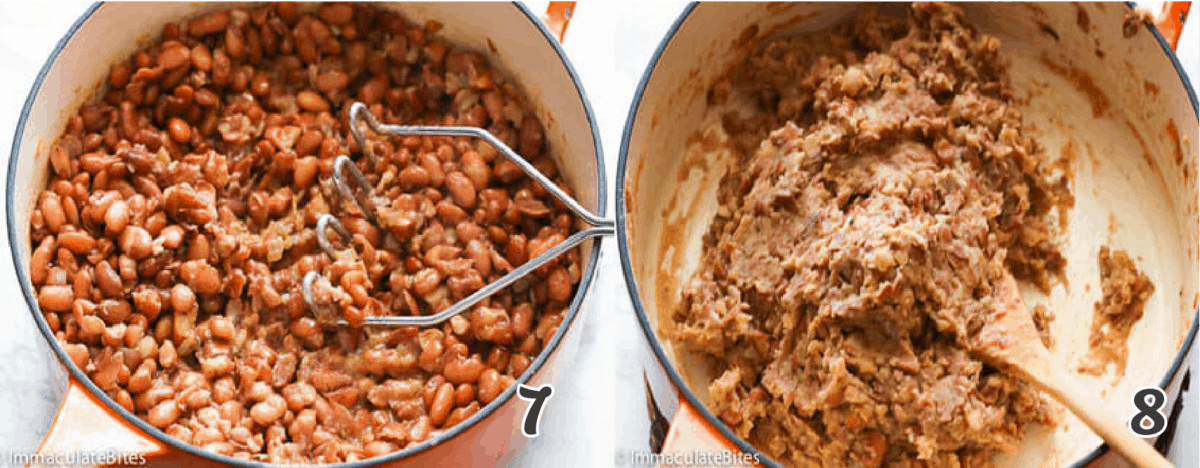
[136, 242]
[163, 414]
[443, 402]
[56, 298]
[39, 262]
[209, 24]
[463, 370]
[490, 386]
[77, 242]
[116, 217]
[269, 410]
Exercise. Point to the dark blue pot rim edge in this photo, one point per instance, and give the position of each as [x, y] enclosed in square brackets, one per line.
[648, 328]
[582, 288]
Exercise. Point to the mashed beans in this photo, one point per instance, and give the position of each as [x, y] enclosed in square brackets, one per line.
[888, 185]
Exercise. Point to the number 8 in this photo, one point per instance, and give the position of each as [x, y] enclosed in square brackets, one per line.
[1149, 401]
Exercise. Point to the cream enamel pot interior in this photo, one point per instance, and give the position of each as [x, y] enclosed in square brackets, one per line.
[1119, 108]
[521, 47]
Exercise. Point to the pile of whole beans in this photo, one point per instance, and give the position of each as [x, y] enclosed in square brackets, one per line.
[178, 221]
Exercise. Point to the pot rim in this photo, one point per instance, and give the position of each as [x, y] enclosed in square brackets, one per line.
[648, 328]
[145, 428]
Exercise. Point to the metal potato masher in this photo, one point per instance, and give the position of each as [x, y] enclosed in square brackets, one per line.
[355, 188]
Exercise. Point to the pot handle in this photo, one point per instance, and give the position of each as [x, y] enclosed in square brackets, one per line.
[558, 16]
[1170, 21]
[691, 434]
[84, 427]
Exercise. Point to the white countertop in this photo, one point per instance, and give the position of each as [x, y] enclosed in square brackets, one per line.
[598, 408]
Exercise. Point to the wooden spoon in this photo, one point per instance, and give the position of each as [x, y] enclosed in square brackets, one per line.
[1011, 341]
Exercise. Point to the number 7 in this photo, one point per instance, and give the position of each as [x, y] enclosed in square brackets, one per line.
[533, 414]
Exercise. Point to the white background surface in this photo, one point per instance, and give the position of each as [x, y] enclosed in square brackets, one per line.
[598, 409]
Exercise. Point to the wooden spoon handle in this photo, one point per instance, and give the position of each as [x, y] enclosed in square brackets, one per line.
[1094, 412]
